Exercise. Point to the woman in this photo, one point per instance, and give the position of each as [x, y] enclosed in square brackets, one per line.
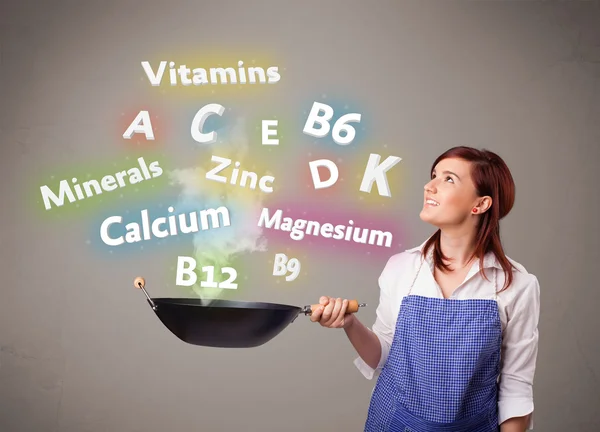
[455, 339]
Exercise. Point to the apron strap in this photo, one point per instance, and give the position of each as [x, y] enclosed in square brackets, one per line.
[495, 270]
[416, 275]
[494, 277]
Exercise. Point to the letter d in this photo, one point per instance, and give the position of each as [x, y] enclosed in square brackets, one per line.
[314, 172]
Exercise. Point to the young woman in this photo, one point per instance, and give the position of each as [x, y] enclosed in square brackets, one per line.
[455, 339]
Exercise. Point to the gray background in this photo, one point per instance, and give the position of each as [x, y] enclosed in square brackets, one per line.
[79, 348]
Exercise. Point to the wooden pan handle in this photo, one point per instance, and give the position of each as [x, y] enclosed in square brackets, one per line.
[139, 282]
[353, 306]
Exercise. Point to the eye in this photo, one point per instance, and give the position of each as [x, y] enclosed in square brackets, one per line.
[450, 178]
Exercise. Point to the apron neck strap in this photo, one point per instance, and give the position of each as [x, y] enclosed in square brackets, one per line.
[416, 275]
[494, 272]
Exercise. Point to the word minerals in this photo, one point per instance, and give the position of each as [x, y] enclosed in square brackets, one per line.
[186, 266]
[320, 113]
[94, 187]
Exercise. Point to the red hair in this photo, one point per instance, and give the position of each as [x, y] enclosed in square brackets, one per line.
[492, 178]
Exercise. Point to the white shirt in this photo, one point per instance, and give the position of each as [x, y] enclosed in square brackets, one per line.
[518, 305]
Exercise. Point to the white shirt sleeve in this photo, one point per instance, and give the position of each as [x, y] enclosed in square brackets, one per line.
[519, 353]
[385, 322]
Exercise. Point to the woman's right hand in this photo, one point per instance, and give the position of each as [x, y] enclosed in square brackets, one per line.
[331, 313]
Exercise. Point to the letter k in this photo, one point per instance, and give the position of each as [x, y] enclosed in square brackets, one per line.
[375, 172]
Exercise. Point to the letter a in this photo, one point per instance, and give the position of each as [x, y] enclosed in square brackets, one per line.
[141, 124]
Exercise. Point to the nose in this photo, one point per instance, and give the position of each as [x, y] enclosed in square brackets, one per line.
[430, 186]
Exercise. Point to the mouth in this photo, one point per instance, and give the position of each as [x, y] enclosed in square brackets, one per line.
[431, 203]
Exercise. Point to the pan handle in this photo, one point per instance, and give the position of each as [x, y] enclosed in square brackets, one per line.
[140, 282]
[353, 306]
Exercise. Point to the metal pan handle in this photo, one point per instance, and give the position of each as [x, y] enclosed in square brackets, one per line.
[140, 282]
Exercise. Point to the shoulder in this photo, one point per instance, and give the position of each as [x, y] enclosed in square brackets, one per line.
[402, 260]
[399, 263]
[397, 270]
[521, 276]
[525, 286]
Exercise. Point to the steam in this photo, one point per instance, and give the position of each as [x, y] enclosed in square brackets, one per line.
[217, 247]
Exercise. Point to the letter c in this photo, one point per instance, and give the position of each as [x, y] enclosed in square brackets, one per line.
[156, 228]
[262, 184]
[104, 231]
[198, 123]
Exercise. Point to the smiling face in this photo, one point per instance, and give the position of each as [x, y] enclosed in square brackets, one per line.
[451, 197]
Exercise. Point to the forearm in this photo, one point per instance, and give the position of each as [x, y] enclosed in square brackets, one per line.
[515, 424]
[365, 342]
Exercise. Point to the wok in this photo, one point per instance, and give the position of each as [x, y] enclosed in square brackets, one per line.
[226, 323]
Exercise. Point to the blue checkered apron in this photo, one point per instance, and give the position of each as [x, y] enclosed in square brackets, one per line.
[441, 373]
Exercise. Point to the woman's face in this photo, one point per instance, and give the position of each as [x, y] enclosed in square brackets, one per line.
[450, 196]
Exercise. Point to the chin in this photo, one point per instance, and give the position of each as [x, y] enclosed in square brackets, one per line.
[427, 218]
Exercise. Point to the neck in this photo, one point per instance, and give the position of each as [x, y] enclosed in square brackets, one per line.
[458, 246]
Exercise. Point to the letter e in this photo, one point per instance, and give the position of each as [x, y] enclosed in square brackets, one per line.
[266, 132]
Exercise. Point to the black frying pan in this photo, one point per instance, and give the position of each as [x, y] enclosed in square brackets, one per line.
[226, 323]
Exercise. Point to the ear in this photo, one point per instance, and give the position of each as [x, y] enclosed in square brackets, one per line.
[483, 205]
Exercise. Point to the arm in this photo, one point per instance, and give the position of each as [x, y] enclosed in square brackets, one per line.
[365, 342]
[515, 424]
[373, 346]
[519, 355]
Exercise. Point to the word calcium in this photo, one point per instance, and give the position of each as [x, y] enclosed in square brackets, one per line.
[162, 227]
